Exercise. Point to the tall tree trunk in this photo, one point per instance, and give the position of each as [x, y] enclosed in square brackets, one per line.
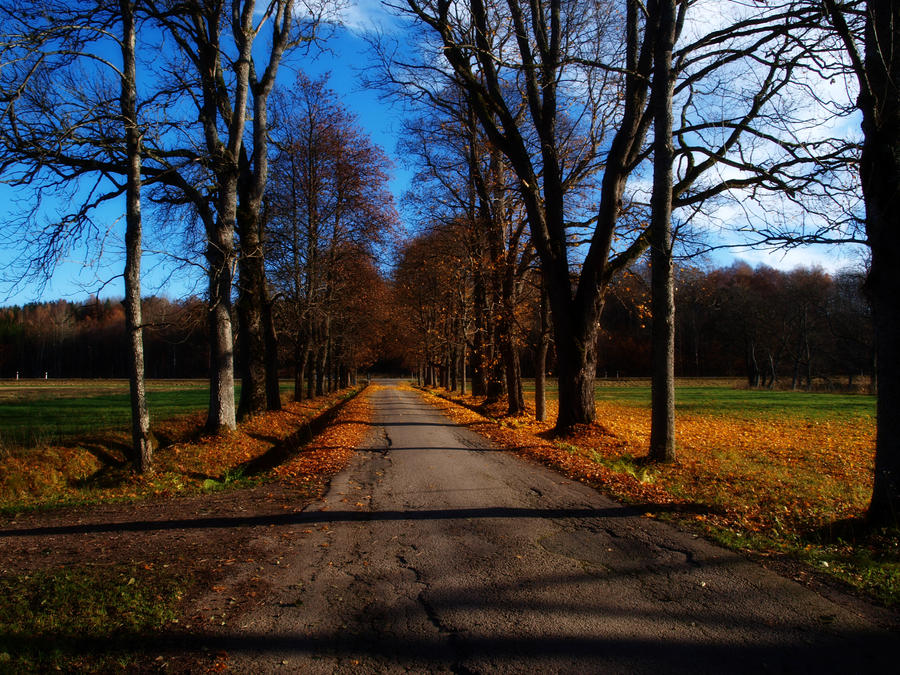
[880, 172]
[225, 157]
[462, 367]
[273, 385]
[512, 368]
[662, 415]
[321, 364]
[479, 358]
[142, 441]
[452, 365]
[252, 297]
[301, 359]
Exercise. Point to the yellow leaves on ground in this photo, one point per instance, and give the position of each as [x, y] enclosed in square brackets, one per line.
[788, 475]
[330, 451]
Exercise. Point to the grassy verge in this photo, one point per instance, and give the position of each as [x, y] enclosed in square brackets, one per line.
[44, 613]
[785, 474]
[92, 468]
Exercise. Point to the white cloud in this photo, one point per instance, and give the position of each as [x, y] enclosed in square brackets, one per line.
[365, 16]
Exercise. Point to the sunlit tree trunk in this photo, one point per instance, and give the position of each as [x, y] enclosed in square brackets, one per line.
[142, 441]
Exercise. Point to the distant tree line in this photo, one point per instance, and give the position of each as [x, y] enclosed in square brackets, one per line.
[87, 339]
[772, 327]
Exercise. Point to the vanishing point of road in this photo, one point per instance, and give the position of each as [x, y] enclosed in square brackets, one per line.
[436, 552]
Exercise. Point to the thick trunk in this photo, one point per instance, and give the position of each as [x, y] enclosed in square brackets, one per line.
[219, 255]
[142, 441]
[662, 415]
[514, 395]
[250, 316]
[576, 355]
[880, 173]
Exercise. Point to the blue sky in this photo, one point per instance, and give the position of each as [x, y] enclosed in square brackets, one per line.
[344, 61]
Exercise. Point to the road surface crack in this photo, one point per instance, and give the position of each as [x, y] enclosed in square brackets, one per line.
[687, 553]
[433, 618]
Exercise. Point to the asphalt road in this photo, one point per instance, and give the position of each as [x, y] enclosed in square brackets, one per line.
[434, 552]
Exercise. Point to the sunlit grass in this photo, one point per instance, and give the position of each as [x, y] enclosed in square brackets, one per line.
[727, 398]
[91, 465]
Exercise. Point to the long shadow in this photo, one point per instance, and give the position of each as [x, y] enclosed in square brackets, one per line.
[856, 652]
[319, 517]
[421, 448]
[418, 424]
[292, 445]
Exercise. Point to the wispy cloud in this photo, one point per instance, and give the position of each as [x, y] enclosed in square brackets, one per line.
[366, 16]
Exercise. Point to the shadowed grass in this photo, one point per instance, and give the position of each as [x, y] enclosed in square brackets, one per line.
[91, 601]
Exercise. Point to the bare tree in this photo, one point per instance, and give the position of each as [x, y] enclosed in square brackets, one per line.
[216, 40]
[259, 382]
[328, 206]
[591, 58]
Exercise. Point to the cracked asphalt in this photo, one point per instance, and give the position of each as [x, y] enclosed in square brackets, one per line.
[437, 553]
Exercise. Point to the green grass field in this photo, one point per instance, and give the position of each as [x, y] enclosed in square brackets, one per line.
[726, 398]
[47, 411]
[34, 412]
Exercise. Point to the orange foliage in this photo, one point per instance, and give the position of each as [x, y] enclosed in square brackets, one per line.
[330, 451]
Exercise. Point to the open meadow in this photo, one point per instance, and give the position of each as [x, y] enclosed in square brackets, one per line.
[36, 412]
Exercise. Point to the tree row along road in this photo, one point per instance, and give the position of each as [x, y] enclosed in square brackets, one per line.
[437, 552]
